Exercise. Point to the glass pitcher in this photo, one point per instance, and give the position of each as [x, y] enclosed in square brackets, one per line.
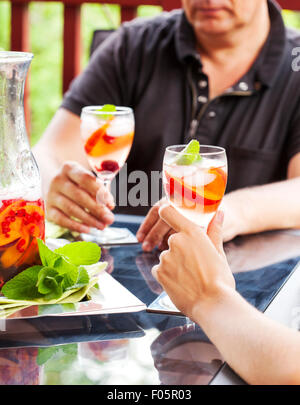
[22, 218]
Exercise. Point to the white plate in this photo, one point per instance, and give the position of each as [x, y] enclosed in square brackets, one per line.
[111, 298]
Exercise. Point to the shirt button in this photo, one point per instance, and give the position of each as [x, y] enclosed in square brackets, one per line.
[212, 114]
[243, 86]
[202, 84]
[202, 99]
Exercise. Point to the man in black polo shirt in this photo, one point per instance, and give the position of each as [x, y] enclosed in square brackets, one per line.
[221, 72]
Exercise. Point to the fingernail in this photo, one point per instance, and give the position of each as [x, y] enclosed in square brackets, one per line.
[84, 229]
[140, 236]
[146, 246]
[109, 201]
[111, 205]
[108, 217]
[100, 225]
[104, 198]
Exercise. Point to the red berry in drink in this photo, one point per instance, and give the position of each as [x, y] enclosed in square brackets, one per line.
[109, 166]
[109, 139]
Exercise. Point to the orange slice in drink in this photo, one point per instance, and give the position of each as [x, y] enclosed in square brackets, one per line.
[208, 197]
[94, 139]
[177, 186]
[108, 144]
[215, 189]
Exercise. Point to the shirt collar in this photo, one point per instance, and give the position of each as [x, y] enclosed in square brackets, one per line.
[264, 69]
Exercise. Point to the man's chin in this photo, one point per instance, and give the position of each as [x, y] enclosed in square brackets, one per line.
[213, 27]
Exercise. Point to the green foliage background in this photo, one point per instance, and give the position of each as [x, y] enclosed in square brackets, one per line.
[46, 27]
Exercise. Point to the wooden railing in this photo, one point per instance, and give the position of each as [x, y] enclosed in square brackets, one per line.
[72, 31]
[20, 41]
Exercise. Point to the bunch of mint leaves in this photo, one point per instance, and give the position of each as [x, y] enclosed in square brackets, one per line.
[61, 270]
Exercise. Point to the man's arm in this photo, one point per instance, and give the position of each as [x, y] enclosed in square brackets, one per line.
[60, 142]
[201, 285]
[71, 191]
[262, 208]
[68, 183]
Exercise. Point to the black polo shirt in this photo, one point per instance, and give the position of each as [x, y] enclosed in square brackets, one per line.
[152, 66]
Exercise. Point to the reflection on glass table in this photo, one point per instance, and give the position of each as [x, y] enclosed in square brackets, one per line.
[141, 347]
[48, 331]
[184, 356]
[260, 263]
[19, 366]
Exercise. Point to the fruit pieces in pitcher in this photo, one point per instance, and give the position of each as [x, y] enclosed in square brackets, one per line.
[21, 222]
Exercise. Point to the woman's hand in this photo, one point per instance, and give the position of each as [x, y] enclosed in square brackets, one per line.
[77, 200]
[194, 270]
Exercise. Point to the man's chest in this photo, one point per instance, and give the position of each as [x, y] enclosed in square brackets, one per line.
[251, 124]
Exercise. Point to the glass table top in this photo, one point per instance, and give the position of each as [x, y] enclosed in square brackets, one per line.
[139, 347]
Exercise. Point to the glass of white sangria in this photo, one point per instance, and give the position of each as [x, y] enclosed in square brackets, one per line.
[195, 180]
[107, 132]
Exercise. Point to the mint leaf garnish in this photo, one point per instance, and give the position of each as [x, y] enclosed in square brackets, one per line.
[107, 108]
[189, 155]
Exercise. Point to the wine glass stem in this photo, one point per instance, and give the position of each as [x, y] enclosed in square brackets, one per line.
[107, 186]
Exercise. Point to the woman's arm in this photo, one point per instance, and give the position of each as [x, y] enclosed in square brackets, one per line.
[260, 350]
[195, 274]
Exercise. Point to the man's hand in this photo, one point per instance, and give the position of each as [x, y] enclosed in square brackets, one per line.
[155, 232]
[73, 200]
[194, 269]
